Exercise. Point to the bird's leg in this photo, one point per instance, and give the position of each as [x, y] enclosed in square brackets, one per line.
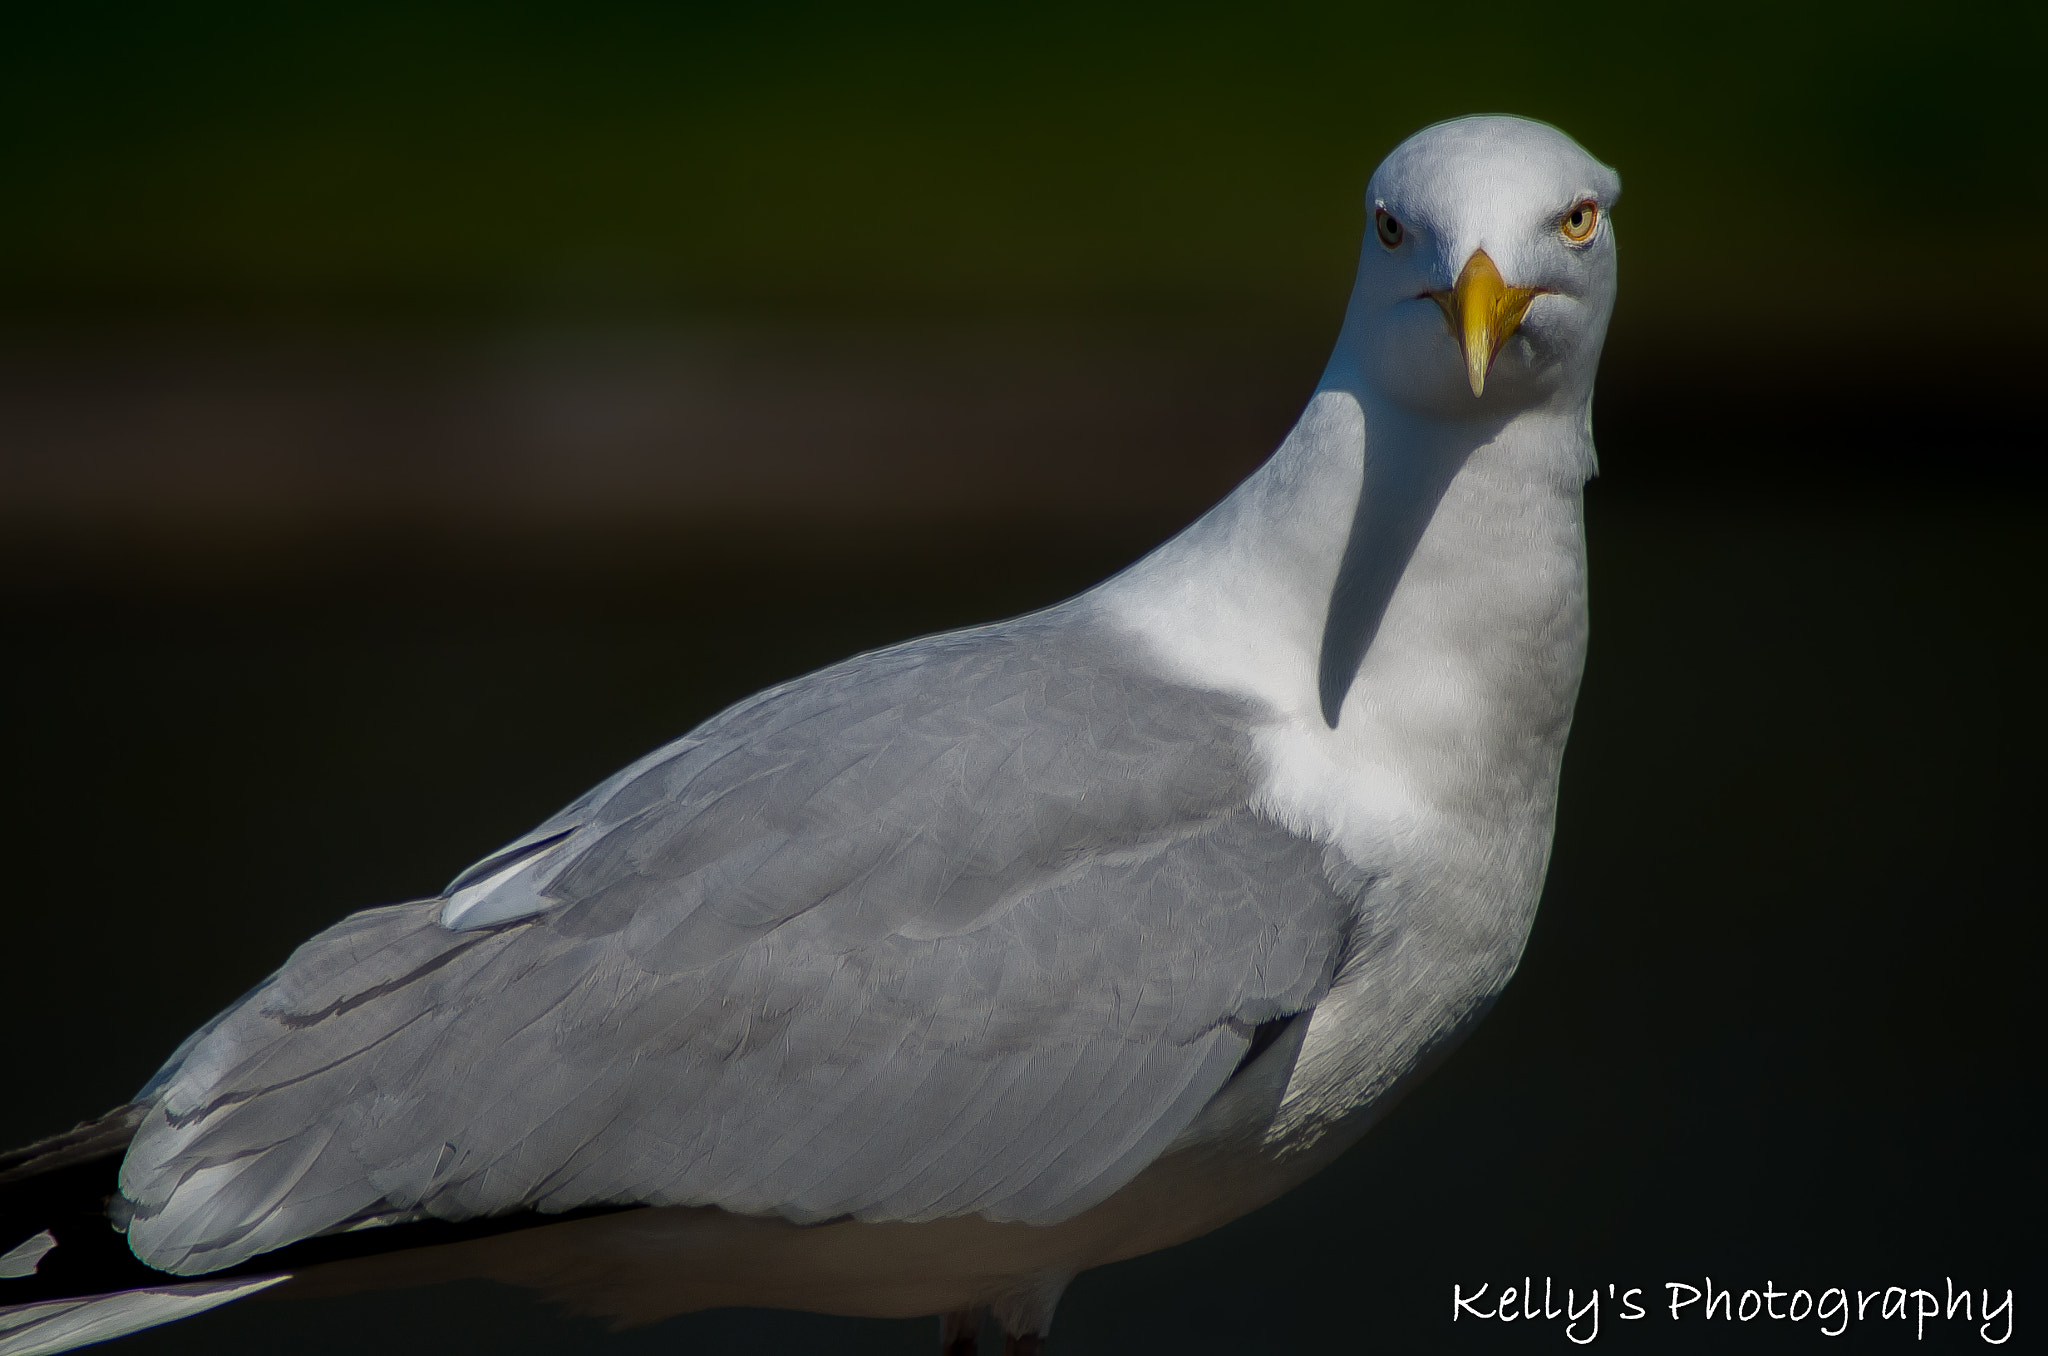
[1025, 1312]
[959, 1332]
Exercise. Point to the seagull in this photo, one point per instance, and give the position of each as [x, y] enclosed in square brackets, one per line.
[920, 984]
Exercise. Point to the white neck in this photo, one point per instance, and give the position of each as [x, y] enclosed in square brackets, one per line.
[1421, 581]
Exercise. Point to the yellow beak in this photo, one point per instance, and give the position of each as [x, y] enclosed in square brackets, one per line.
[1482, 311]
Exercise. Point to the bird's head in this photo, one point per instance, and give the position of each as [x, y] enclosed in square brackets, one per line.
[1487, 273]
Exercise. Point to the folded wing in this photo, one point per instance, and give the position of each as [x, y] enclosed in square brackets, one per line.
[974, 925]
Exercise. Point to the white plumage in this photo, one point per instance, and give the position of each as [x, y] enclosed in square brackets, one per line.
[921, 984]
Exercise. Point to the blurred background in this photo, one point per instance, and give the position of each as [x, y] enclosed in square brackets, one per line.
[410, 413]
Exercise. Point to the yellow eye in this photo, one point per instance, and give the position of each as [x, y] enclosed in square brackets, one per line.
[1389, 229]
[1579, 223]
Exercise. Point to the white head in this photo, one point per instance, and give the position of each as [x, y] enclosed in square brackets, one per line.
[1487, 273]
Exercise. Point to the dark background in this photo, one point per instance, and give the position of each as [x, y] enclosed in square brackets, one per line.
[409, 414]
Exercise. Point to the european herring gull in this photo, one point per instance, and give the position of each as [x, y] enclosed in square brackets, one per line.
[922, 983]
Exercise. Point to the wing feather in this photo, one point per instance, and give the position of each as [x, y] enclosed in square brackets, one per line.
[973, 925]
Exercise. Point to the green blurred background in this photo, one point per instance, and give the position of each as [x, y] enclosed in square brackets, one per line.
[409, 414]
[1829, 162]
[278, 275]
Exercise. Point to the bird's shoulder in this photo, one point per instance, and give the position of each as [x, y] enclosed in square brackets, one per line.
[976, 752]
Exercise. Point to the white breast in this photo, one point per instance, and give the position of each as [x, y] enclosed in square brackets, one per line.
[1438, 783]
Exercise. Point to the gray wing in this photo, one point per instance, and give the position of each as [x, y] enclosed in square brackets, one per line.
[973, 925]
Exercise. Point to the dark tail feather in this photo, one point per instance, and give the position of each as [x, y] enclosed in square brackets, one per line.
[87, 1142]
[67, 1278]
[56, 1190]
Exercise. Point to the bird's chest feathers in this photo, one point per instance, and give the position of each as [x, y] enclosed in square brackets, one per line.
[1437, 781]
[1455, 722]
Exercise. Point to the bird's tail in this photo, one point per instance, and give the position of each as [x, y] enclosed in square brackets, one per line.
[60, 1325]
[67, 1278]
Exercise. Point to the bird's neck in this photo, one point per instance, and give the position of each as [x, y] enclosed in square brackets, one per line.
[1371, 530]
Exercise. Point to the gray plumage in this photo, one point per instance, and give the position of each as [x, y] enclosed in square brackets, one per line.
[878, 969]
[976, 924]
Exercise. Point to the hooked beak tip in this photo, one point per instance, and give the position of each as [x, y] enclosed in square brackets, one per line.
[1481, 311]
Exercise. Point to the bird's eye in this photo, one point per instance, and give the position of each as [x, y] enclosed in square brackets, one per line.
[1389, 229]
[1579, 223]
